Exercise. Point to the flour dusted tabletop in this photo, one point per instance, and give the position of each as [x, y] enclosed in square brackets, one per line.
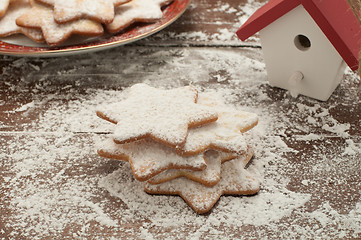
[53, 184]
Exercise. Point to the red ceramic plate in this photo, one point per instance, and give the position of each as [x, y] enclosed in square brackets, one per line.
[20, 46]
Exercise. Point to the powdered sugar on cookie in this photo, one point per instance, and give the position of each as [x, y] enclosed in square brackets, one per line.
[136, 11]
[234, 180]
[224, 134]
[41, 17]
[148, 158]
[3, 6]
[209, 176]
[8, 24]
[164, 115]
[97, 10]
[233, 118]
[57, 20]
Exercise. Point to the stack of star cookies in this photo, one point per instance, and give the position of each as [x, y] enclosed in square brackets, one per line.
[54, 21]
[183, 144]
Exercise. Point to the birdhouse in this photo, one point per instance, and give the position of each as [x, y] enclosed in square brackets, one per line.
[307, 44]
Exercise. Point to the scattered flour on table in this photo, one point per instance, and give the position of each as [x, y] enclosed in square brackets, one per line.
[226, 31]
[53, 184]
[25, 107]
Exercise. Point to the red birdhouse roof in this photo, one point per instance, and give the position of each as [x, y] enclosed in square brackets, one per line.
[334, 17]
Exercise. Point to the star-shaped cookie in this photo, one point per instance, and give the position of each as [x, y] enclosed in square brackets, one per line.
[8, 24]
[209, 176]
[3, 6]
[69, 10]
[41, 17]
[235, 180]
[225, 134]
[148, 158]
[163, 115]
[241, 121]
[136, 11]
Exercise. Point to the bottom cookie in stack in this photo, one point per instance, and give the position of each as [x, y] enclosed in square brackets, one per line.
[234, 180]
[200, 180]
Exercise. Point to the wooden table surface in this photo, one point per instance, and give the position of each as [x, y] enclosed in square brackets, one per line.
[53, 185]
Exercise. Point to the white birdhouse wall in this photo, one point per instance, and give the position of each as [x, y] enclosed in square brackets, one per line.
[299, 57]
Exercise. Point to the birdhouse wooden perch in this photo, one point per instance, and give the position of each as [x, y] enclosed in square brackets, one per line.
[307, 44]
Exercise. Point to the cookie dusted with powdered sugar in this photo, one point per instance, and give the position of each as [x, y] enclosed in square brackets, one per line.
[8, 24]
[136, 11]
[163, 115]
[3, 6]
[209, 176]
[148, 158]
[235, 119]
[41, 17]
[225, 134]
[235, 180]
[69, 10]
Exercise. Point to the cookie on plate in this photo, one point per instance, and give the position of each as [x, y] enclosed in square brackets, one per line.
[69, 10]
[8, 24]
[136, 11]
[41, 17]
[3, 6]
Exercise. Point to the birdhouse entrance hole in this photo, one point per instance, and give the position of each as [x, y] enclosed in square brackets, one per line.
[302, 42]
